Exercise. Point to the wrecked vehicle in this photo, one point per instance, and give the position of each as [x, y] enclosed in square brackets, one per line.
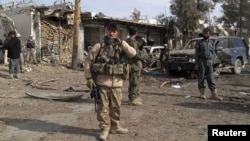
[153, 59]
[232, 53]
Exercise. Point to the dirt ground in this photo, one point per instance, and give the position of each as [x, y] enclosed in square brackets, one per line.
[167, 114]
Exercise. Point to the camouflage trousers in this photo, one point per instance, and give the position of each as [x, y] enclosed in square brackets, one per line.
[31, 55]
[134, 84]
[109, 107]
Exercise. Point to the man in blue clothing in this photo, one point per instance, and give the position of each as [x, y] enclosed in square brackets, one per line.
[204, 56]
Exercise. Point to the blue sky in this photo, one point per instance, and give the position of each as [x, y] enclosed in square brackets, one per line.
[122, 8]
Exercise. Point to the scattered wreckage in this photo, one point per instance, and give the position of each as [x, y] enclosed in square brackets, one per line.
[55, 96]
[68, 94]
[154, 53]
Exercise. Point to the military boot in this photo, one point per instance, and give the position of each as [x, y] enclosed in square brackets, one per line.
[104, 134]
[215, 95]
[136, 101]
[10, 76]
[16, 75]
[202, 93]
[118, 130]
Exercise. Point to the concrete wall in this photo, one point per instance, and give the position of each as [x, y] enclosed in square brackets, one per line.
[92, 36]
[22, 19]
[6, 25]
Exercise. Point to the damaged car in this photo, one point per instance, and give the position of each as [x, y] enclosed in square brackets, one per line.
[154, 53]
[232, 53]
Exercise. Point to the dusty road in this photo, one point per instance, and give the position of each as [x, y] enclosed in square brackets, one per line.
[168, 114]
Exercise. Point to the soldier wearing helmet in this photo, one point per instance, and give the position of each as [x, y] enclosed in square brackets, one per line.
[31, 50]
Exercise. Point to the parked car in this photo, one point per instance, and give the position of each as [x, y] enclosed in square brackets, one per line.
[232, 53]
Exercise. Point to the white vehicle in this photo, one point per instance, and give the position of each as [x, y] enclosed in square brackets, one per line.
[154, 53]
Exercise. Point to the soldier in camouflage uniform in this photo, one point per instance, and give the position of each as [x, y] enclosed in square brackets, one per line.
[104, 69]
[204, 56]
[135, 66]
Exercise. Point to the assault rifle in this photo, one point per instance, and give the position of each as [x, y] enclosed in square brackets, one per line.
[95, 92]
[96, 95]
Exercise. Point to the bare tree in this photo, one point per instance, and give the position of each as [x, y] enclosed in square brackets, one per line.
[136, 15]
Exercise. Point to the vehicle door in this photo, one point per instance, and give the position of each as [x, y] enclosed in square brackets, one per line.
[247, 49]
[224, 47]
[240, 49]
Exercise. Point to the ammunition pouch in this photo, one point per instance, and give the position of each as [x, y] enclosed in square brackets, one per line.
[112, 69]
[116, 69]
[98, 68]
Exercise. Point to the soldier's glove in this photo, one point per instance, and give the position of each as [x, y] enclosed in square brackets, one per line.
[117, 41]
[90, 83]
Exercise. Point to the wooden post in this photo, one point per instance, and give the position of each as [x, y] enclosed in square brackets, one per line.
[76, 35]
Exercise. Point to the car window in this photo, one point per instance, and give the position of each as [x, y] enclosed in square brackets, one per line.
[154, 51]
[230, 43]
[222, 43]
[238, 43]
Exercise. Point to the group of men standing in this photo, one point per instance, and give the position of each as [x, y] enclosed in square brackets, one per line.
[15, 53]
[105, 68]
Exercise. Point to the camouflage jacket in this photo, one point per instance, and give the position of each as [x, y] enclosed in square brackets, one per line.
[141, 54]
[102, 79]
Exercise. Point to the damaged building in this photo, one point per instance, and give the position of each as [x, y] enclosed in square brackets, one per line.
[94, 29]
[56, 33]
[6, 24]
[52, 29]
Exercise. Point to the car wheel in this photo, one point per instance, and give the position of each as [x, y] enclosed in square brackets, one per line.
[237, 67]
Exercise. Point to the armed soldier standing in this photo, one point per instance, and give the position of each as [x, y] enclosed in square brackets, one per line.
[204, 56]
[135, 66]
[31, 50]
[106, 61]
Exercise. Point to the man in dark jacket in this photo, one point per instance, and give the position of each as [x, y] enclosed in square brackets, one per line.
[14, 50]
[204, 56]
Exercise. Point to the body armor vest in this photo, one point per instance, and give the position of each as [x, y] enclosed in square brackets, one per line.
[110, 61]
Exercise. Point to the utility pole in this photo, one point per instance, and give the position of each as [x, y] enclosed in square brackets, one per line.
[76, 35]
[241, 18]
